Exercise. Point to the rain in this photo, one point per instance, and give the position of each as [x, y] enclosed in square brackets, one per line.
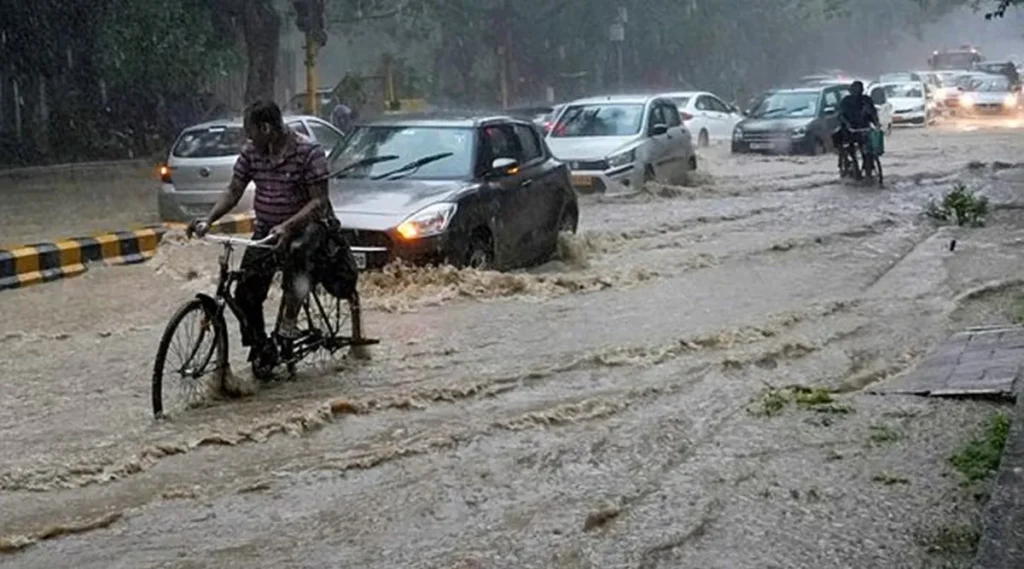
[616, 305]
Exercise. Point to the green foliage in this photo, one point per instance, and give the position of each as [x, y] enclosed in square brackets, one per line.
[980, 457]
[164, 46]
[960, 206]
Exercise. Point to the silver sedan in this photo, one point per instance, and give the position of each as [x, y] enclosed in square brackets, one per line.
[203, 158]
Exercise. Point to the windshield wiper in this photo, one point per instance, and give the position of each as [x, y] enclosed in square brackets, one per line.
[414, 165]
[368, 161]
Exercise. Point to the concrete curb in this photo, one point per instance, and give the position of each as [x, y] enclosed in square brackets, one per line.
[45, 262]
[1002, 541]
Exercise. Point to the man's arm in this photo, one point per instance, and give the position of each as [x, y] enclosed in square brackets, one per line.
[314, 178]
[236, 188]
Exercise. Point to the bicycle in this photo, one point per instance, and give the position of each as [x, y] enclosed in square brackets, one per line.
[870, 166]
[323, 320]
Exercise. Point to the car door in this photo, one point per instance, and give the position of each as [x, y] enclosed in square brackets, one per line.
[679, 141]
[510, 210]
[541, 193]
[656, 147]
[728, 118]
[713, 118]
[830, 113]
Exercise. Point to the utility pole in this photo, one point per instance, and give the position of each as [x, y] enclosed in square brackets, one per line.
[503, 54]
[617, 35]
[309, 19]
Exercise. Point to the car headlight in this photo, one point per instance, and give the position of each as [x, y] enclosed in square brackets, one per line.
[967, 101]
[737, 134]
[799, 132]
[622, 158]
[429, 221]
[1010, 101]
[918, 108]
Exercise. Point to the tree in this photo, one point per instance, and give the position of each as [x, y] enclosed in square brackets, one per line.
[259, 24]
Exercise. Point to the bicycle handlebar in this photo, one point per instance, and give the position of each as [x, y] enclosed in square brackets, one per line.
[266, 242]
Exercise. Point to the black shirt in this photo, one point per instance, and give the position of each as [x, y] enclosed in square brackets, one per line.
[858, 111]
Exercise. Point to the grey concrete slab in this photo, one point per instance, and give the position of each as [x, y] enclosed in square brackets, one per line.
[983, 361]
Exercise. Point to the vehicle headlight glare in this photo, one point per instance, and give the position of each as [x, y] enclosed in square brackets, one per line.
[429, 221]
[622, 159]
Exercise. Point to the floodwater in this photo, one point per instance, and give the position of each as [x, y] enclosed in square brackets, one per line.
[602, 411]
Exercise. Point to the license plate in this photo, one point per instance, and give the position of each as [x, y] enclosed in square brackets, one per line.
[761, 145]
[584, 181]
[360, 260]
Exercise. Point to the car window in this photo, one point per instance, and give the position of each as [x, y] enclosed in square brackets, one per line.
[671, 114]
[681, 102]
[718, 106]
[788, 104]
[656, 116]
[528, 142]
[497, 141]
[298, 127]
[602, 119]
[325, 135]
[210, 142]
[832, 98]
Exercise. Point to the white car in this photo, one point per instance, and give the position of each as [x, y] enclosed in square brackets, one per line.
[622, 140]
[706, 115]
[882, 104]
[202, 161]
[910, 102]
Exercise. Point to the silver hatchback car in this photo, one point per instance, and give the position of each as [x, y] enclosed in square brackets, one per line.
[203, 158]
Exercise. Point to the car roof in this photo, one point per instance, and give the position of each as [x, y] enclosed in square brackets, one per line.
[238, 121]
[637, 98]
[673, 94]
[442, 119]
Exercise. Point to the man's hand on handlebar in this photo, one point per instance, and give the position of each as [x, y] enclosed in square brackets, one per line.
[198, 228]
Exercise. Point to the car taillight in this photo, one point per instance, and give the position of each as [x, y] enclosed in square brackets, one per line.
[165, 173]
[685, 116]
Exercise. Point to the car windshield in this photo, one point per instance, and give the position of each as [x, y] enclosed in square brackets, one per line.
[955, 60]
[989, 85]
[904, 91]
[407, 144]
[210, 142]
[599, 120]
[787, 104]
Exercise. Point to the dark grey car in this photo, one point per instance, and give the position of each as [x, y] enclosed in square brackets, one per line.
[799, 120]
[474, 191]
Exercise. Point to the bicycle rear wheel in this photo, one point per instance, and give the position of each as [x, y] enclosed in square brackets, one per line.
[199, 342]
[335, 328]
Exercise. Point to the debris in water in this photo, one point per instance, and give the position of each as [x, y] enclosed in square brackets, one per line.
[601, 517]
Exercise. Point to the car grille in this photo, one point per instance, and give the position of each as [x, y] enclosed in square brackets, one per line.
[766, 137]
[361, 238]
[601, 165]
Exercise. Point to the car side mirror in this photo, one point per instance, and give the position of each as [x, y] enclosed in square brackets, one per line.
[659, 129]
[502, 167]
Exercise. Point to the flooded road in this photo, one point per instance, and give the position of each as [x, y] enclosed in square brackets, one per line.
[622, 407]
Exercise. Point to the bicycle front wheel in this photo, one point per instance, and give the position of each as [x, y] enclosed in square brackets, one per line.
[191, 361]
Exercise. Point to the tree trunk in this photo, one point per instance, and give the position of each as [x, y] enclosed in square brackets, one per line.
[262, 26]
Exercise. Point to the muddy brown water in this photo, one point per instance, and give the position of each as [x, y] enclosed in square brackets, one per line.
[598, 411]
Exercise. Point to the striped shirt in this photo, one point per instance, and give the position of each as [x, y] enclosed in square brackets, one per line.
[282, 183]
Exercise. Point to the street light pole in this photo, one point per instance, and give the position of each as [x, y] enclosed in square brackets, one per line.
[617, 34]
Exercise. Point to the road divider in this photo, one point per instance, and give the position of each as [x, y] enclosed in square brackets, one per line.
[36, 263]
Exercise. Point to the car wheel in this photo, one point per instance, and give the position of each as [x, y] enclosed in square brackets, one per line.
[703, 140]
[648, 173]
[479, 253]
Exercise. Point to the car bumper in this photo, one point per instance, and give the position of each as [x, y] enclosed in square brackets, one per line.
[773, 145]
[613, 179]
[377, 249]
[184, 206]
[915, 117]
[990, 110]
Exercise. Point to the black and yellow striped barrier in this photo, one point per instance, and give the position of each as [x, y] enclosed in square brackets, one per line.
[44, 262]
